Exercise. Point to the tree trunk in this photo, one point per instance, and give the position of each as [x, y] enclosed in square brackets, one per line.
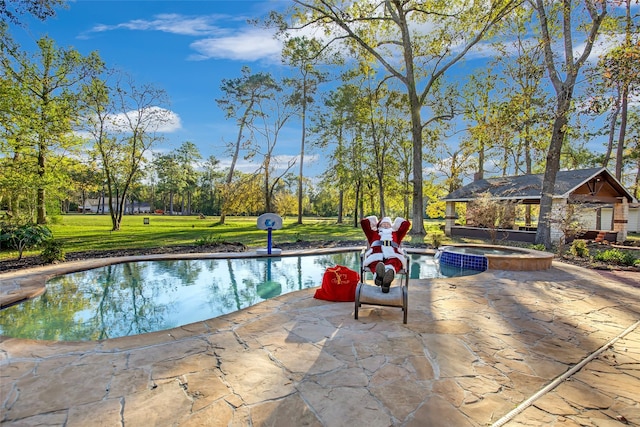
[357, 203]
[40, 198]
[302, 141]
[564, 94]
[417, 226]
[637, 183]
[612, 131]
[267, 198]
[543, 234]
[623, 128]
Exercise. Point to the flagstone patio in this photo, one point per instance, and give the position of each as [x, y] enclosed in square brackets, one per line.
[554, 347]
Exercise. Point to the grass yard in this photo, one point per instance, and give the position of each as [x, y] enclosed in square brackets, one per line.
[87, 232]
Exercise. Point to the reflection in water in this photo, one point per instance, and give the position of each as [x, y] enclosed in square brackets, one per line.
[139, 297]
[268, 288]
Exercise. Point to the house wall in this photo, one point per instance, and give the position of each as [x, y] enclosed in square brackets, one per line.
[634, 218]
[588, 218]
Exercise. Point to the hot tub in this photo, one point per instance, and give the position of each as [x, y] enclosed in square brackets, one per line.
[492, 257]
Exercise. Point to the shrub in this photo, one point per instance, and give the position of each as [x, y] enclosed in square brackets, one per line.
[616, 256]
[21, 237]
[52, 251]
[436, 238]
[207, 240]
[538, 247]
[579, 248]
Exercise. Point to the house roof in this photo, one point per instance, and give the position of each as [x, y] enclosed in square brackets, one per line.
[586, 184]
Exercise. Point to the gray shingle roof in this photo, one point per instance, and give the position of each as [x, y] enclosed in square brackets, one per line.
[529, 187]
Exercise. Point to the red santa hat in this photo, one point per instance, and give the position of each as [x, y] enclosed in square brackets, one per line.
[385, 219]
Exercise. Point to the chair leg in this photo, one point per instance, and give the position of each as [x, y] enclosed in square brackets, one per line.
[357, 301]
[405, 305]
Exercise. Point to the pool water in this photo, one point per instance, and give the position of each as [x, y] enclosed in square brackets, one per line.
[140, 297]
[482, 250]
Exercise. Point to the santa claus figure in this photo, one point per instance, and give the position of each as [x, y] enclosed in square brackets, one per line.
[384, 258]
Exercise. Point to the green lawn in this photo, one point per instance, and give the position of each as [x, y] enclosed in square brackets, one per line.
[93, 232]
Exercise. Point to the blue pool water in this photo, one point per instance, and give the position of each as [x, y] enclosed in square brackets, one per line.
[140, 297]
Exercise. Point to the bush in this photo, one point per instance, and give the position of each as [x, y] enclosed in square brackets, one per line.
[207, 240]
[538, 247]
[436, 238]
[616, 256]
[579, 248]
[21, 237]
[52, 251]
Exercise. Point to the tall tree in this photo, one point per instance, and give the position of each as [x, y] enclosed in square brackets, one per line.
[187, 155]
[556, 20]
[634, 152]
[50, 85]
[273, 113]
[337, 128]
[481, 112]
[239, 99]
[394, 29]
[303, 54]
[525, 108]
[210, 177]
[621, 73]
[170, 176]
[125, 122]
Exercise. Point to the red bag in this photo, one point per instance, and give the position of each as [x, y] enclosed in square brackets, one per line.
[338, 284]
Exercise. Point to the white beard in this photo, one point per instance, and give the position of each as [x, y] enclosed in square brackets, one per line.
[385, 233]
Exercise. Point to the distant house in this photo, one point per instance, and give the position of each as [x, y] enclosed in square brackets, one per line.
[593, 188]
[137, 208]
[98, 206]
[93, 206]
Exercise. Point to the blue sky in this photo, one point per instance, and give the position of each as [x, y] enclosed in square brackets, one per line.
[187, 48]
[183, 47]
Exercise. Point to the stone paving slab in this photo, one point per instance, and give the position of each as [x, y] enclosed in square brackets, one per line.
[474, 349]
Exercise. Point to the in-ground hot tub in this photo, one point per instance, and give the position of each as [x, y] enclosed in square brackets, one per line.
[491, 257]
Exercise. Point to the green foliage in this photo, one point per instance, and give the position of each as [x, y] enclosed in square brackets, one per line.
[211, 239]
[436, 238]
[538, 247]
[579, 248]
[52, 251]
[21, 237]
[54, 219]
[616, 256]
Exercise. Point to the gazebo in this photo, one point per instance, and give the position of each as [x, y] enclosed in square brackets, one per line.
[592, 187]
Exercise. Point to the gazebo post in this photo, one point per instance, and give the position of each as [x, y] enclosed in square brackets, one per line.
[558, 206]
[621, 219]
[450, 218]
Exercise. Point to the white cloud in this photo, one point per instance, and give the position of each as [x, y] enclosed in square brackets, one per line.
[220, 42]
[247, 45]
[154, 119]
[279, 163]
[601, 46]
[169, 23]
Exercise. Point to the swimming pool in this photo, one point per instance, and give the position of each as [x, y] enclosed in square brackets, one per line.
[147, 296]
